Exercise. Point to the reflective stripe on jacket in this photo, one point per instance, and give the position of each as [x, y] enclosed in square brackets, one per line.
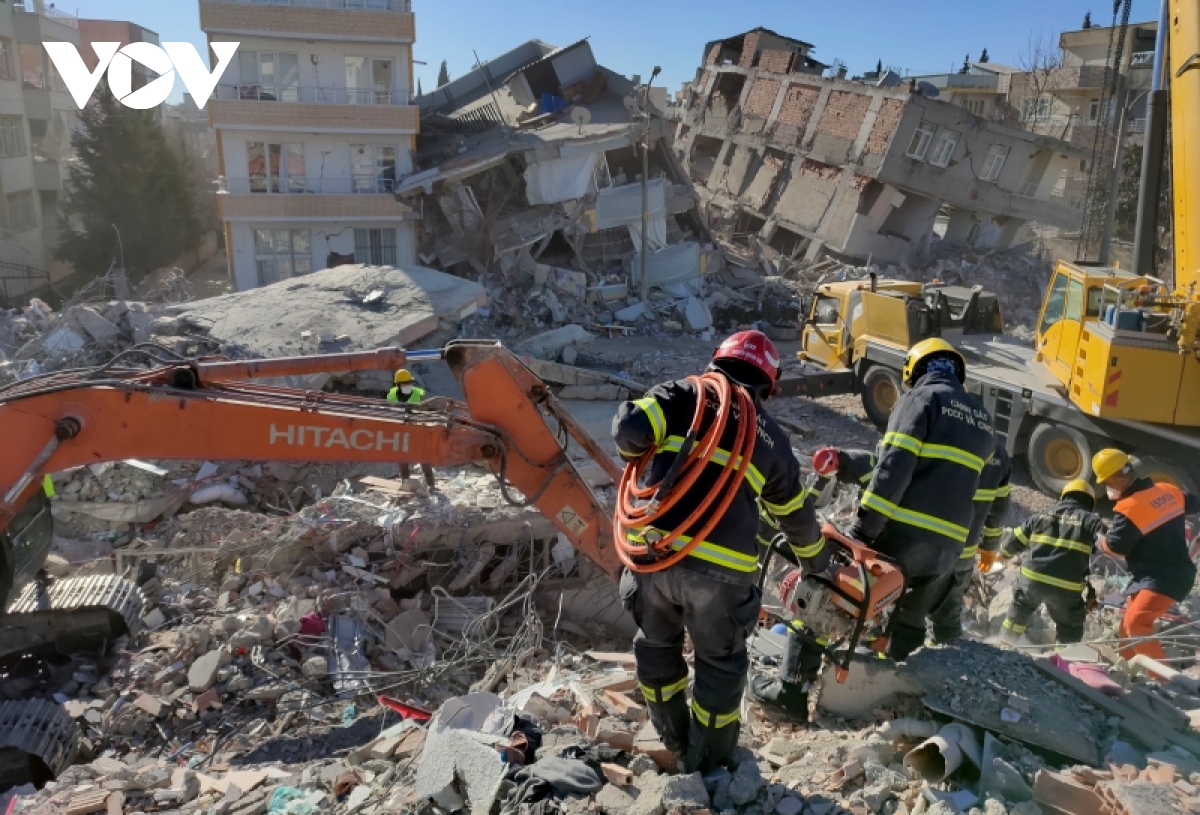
[1058, 545]
[660, 421]
[991, 504]
[413, 398]
[920, 504]
[1148, 529]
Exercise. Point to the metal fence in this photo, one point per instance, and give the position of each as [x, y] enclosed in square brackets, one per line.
[48, 11]
[255, 92]
[20, 281]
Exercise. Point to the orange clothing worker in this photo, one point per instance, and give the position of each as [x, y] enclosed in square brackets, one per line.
[1148, 532]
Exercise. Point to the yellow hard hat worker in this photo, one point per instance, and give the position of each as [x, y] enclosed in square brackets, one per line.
[924, 352]
[402, 377]
[1109, 462]
[1079, 487]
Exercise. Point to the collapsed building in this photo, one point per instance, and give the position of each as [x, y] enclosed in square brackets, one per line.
[530, 166]
[792, 166]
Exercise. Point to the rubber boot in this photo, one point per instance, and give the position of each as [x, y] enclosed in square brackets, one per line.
[786, 699]
[671, 719]
[710, 747]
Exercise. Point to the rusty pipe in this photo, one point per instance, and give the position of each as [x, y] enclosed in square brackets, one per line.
[383, 359]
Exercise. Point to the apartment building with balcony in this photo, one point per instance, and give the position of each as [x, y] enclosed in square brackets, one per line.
[314, 125]
[36, 147]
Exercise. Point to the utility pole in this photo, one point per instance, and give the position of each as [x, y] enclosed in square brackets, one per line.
[645, 280]
[120, 281]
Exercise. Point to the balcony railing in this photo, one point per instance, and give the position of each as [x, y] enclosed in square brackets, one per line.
[354, 185]
[349, 5]
[252, 92]
[49, 12]
[1047, 192]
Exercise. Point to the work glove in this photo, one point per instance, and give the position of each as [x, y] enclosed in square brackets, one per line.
[1090, 599]
[986, 561]
[826, 462]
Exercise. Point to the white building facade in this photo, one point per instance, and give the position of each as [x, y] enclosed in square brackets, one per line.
[313, 126]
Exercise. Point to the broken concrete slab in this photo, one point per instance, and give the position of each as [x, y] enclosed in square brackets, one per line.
[549, 344]
[270, 321]
[203, 672]
[92, 322]
[697, 314]
[972, 682]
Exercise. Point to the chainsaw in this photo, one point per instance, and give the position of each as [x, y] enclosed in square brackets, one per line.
[856, 591]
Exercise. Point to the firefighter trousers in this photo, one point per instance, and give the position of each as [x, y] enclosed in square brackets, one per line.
[906, 628]
[718, 616]
[947, 615]
[1066, 608]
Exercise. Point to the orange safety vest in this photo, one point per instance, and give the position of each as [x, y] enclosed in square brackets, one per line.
[1151, 508]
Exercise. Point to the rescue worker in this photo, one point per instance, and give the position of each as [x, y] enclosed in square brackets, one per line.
[1060, 543]
[711, 593]
[1148, 532]
[920, 504]
[406, 391]
[991, 505]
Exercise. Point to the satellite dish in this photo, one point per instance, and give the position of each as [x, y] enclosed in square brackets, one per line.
[632, 105]
[580, 116]
[929, 90]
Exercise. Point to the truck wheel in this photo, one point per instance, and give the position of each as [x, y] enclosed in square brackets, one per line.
[1058, 454]
[880, 393]
[1162, 471]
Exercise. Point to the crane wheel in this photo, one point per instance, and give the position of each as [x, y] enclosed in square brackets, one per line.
[1163, 471]
[880, 392]
[1058, 454]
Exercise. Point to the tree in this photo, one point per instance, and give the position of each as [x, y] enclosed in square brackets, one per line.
[983, 57]
[1040, 75]
[129, 176]
[443, 75]
[878, 67]
[419, 91]
[966, 67]
[1087, 20]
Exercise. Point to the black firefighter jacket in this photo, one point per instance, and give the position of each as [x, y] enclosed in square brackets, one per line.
[660, 421]
[991, 504]
[1060, 544]
[920, 504]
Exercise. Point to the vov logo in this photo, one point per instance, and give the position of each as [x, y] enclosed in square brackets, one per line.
[172, 58]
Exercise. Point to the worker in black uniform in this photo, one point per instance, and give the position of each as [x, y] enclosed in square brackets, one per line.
[920, 504]
[1058, 546]
[711, 593]
[991, 505]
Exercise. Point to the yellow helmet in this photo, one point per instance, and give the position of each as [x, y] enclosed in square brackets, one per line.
[1081, 486]
[1108, 462]
[402, 377]
[924, 351]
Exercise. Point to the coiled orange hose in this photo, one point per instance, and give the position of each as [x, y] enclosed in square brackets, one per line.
[640, 507]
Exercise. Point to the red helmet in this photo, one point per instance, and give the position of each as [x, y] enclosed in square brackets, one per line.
[753, 347]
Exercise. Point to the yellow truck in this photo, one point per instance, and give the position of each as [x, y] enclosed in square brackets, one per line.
[1116, 354]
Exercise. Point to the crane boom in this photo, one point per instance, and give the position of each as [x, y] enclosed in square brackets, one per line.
[1184, 75]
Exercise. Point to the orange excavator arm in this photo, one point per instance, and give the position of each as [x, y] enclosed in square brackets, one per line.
[213, 410]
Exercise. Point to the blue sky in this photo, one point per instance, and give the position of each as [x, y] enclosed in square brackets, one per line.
[632, 36]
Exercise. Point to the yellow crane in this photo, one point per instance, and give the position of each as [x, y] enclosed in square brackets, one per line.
[1116, 355]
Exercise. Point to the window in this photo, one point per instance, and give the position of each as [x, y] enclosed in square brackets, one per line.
[974, 106]
[1033, 109]
[375, 247]
[1074, 307]
[20, 211]
[1094, 110]
[276, 167]
[269, 76]
[373, 167]
[1055, 303]
[994, 163]
[943, 151]
[281, 253]
[6, 69]
[369, 80]
[919, 145]
[12, 136]
[826, 311]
